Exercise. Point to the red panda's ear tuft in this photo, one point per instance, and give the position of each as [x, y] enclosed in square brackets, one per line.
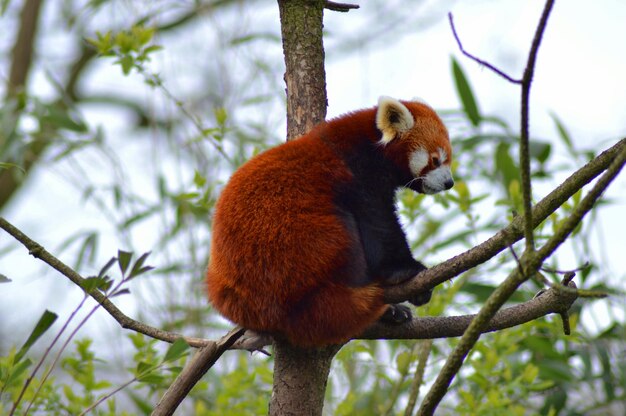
[392, 118]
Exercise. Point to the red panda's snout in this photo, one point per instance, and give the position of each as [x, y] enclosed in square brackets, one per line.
[431, 171]
[414, 129]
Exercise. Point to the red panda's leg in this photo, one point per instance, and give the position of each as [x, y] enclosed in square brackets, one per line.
[397, 275]
[333, 314]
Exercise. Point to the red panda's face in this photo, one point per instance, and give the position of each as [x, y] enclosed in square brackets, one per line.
[417, 139]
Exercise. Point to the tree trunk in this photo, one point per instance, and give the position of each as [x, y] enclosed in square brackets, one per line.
[301, 24]
[300, 375]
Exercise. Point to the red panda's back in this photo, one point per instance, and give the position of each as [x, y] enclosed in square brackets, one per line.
[278, 245]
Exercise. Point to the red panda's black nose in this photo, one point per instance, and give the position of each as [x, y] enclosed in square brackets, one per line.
[448, 184]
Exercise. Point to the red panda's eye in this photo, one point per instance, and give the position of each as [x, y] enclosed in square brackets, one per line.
[436, 162]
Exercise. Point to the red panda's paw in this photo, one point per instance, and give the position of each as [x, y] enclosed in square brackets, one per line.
[396, 314]
[421, 298]
[401, 275]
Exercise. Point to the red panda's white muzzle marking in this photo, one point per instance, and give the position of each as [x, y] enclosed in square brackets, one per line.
[437, 180]
[434, 181]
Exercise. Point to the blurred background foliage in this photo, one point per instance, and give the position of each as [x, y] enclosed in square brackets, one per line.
[143, 109]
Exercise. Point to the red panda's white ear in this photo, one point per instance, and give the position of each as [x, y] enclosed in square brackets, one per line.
[392, 118]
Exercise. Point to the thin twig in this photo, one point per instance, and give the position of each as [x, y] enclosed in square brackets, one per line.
[58, 357]
[524, 156]
[565, 272]
[476, 59]
[45, 355]
[108, 396]
[423, 353]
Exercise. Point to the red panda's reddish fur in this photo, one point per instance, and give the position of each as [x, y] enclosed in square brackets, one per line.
[280, 254]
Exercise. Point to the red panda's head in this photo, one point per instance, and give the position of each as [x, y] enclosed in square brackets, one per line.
[415, 138]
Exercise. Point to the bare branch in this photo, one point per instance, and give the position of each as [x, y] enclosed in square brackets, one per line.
[478, 60]
[551, 301]
[524, 157]
[23, 49]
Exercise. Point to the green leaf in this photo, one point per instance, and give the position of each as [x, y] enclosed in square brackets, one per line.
[125, 42]
[87, 250]
[539, 150]
[119, 293]
[176, 350]
[5, 165]
[103, 43]
[403, 360]
[45, 322]
[144, 368]
[63, 120]
[466, 95]
[96, 282]
[4, 279]
[144, 406]
[18, 370]
[123, 259]
[126, 62]
[563, 133]
[151, 378]
[221, 115]
[142, 35]
[199, 180]
[106, 267]
[153, 48]
[505, 165]
[138, 267]
[140, 216]
[3, 6]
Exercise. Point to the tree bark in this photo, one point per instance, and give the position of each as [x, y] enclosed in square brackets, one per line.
[300, 375]
[301, 24]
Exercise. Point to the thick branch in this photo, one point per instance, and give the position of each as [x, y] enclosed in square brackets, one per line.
[551, 301]
[504, 238]
[197, 367]
[300, 375]
[24, 46]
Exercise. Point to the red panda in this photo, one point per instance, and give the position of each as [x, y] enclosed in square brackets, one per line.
[306, 236]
